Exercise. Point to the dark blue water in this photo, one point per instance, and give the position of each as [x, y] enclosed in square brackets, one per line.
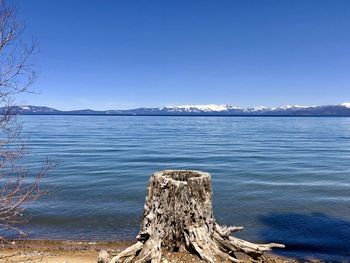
[284, 179]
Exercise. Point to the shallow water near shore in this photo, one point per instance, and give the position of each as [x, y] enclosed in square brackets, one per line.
[285, 179]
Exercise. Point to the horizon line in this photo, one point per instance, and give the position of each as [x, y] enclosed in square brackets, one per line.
[346, 104]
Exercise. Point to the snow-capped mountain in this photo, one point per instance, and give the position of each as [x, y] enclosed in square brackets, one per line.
[225, 109]
[34, 109]
[346, 104]
[342, 109]
[200, 108]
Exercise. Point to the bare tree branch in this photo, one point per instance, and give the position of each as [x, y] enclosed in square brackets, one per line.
[17, 73]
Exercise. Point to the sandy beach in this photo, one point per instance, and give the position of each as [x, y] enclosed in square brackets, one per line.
[53, 251]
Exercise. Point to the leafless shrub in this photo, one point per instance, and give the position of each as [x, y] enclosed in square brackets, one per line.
[17, 73]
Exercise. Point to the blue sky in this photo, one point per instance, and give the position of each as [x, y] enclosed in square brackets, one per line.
[127, 54]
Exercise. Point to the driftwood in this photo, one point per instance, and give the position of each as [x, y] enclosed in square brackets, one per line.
[178, 215]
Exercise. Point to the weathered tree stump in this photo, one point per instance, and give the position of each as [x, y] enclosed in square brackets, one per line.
[178, 215]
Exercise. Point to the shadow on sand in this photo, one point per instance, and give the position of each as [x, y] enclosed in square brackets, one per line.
[309, 236]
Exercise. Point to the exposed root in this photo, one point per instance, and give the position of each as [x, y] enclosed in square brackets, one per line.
[149, 251]
[205, 246]
[128, 254]
[210, 248]
[231, 244]
[227, 230]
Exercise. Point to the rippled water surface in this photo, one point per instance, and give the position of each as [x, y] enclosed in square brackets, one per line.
[284, 179]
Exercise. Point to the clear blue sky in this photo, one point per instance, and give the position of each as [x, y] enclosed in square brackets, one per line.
[133, 53]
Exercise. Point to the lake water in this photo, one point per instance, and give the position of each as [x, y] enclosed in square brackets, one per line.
[284, 179]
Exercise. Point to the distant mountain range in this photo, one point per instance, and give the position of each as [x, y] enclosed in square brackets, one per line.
[200, 110]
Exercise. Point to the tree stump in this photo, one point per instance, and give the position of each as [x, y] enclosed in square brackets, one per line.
[178, 215]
